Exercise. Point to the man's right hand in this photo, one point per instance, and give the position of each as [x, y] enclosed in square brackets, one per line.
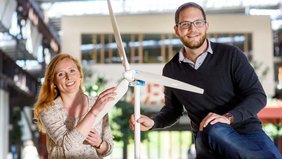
[146, 123]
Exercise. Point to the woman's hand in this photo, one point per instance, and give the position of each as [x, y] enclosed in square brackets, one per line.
[93, 138]
[103, 98]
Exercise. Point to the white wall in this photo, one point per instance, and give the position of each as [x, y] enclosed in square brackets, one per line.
[259, 26]
[4, 123]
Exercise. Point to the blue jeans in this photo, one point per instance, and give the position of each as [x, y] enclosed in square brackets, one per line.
[221, 141]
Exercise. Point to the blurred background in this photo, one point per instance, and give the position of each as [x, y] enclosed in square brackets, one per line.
[33, 31]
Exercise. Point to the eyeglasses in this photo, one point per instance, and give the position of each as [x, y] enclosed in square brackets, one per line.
[187, 24]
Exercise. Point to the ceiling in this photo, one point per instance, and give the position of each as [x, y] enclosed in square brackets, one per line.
[55, 9]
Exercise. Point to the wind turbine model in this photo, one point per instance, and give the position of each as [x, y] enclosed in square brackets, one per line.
[132, 77]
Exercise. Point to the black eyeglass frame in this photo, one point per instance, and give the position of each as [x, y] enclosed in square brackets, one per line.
[197, 23]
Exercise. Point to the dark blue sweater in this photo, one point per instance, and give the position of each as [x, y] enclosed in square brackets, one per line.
[230, 85]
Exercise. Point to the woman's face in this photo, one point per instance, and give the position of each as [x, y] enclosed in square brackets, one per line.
[67, 77]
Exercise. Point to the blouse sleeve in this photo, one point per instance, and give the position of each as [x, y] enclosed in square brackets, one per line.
[56, 129]
[107, 135]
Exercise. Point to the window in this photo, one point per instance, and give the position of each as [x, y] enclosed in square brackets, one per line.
[149, 48]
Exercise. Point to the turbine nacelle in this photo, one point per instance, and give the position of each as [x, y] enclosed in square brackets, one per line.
[129, 75]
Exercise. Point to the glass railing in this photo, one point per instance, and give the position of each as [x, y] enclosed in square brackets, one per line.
[13, 76]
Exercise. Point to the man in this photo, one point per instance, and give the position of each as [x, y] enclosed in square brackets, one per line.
[224, 119]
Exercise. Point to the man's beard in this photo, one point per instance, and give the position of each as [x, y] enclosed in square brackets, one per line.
[193, 44]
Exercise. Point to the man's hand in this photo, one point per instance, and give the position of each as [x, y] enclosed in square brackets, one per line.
[213, 118]
[146, 123]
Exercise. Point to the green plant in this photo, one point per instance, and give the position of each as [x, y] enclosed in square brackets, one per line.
[93, 86]
[16, 133]
[273, 130]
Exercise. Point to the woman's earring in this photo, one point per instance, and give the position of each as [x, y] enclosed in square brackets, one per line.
[55, 91]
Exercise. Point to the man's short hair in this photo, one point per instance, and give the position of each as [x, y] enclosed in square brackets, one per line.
[188, 5]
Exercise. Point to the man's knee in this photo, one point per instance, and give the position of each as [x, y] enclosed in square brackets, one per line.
[215, 131]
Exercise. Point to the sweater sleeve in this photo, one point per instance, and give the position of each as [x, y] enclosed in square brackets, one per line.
[171, 111]
[107, 135]
[249, 88]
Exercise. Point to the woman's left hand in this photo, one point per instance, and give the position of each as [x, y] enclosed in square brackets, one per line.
[93, 138]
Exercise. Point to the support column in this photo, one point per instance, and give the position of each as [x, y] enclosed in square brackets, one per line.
[4, 124]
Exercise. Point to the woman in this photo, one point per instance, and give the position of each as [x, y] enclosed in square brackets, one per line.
[67, 115]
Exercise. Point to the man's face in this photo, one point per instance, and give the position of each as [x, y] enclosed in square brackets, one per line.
[192, 35]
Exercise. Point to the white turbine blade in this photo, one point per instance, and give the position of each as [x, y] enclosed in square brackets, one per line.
[118, 38]
[121, 89]
[169, 82]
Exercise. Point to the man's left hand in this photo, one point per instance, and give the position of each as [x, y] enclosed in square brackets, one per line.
[213, 118]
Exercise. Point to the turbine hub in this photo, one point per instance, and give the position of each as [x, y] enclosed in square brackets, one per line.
[129, 75]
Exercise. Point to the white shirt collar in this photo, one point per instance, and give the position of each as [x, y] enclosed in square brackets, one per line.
[183, 59]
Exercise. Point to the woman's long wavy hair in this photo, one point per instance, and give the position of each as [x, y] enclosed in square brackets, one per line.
[48, 91]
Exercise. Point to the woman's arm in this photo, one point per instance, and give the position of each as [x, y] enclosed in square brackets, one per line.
[56, 128]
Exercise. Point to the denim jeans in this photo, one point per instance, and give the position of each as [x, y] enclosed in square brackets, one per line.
[221, 141]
